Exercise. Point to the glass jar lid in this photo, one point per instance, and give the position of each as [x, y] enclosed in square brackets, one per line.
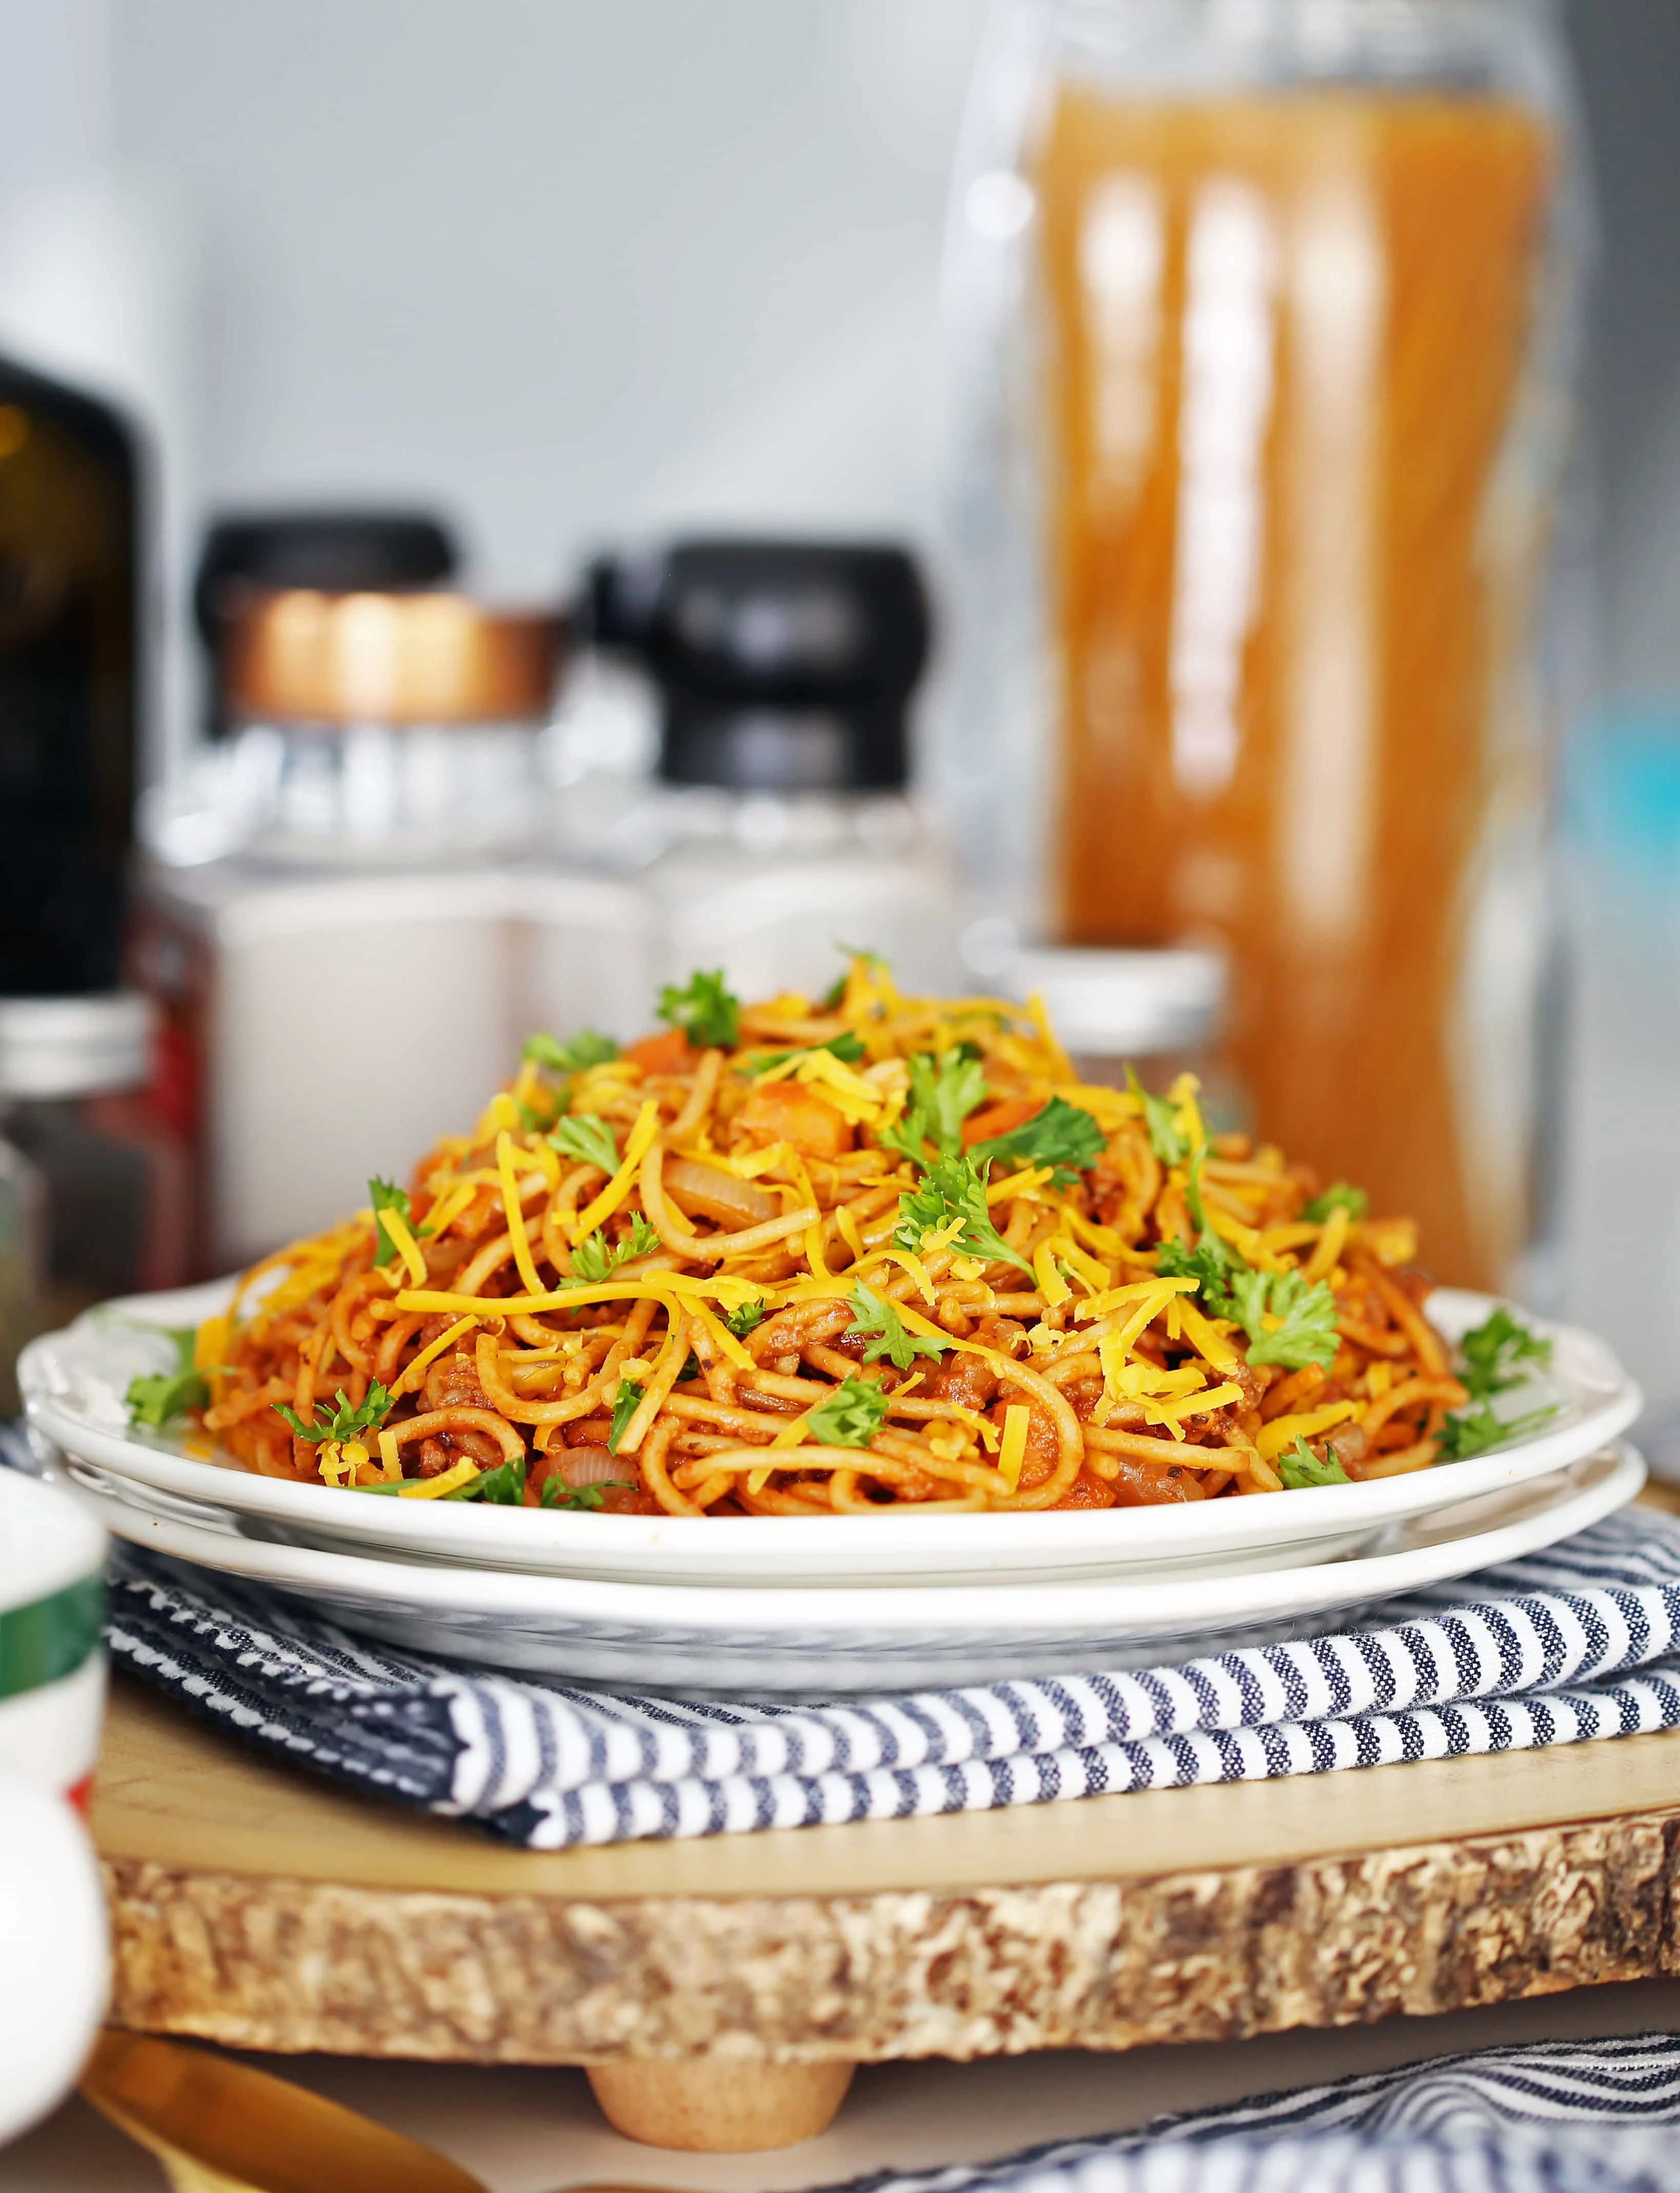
[54, 1048]
[298, 657]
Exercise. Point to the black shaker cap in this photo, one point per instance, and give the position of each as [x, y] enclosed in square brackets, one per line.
[783, 665]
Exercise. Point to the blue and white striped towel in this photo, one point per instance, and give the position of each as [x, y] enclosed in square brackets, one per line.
[1577, 2117]
[1580, 1641]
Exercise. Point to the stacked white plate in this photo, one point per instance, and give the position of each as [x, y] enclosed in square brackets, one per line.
[836, 1604]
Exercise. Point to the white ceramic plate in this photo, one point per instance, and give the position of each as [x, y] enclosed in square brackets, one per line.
[73, 1383]
[662, 1636]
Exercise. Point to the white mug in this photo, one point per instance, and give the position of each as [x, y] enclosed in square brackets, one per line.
[54, 1953]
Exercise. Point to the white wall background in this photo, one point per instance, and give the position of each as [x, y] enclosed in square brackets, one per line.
[569, 267]
[581, 268]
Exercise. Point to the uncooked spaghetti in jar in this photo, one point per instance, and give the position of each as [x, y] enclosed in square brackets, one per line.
[1298, 275]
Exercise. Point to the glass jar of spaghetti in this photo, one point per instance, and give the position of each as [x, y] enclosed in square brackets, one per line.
[1263, 317]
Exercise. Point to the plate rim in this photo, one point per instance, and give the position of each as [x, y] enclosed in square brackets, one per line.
[741, 1552]
[941, 1610]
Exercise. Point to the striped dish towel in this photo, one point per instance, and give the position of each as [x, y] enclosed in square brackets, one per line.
[1580, 2117]
[1581, 1642]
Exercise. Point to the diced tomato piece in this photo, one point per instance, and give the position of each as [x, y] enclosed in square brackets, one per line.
[999, 1118]
[667, 1052]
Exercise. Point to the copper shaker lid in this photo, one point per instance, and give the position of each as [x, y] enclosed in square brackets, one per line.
[301, 657]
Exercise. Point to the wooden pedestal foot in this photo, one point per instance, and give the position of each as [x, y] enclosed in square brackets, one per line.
[714, 2107]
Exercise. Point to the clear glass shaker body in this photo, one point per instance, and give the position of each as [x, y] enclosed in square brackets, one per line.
[768, 886]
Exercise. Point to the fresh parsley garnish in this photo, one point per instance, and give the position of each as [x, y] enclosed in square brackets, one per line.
[587, 1137]
[741, 1321]
[846, 1047]
[585, 1049]
[1169, 1140]
[157, 1398]
[850, 1416]
[624, 1404]
[504, 1486]
[1473, 1431]
[1492, 1355]
[1306, 1311]
[889, 1335]
[557, 1493]
[384, 1196]
[1301, 1467]
[1061, 1135]
[1305, 1330]
[1353, 1200]
[950, 1190]
[708, 1014]
[594, 1260]
[1210, 1264]
[943, 1091]
[343, 1423]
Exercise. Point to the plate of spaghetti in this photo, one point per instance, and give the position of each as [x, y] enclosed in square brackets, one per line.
[857, 1288]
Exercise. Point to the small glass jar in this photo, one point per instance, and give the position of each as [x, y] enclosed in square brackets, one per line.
[350, 911]
[387, 730]
[22, 1225]
[105, 1185]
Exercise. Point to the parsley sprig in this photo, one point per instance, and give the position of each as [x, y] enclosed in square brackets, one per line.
[586, 1137]
[741, 1321]
[386, 1195]
[581, 1498]
[1169, 1140]
[847, 1048]
[951, 1190]
[708, 1014]
[850, 1416]
[1473, 1431]
[504, 1486]
[594, 1260]
[1305, 1312]
[585, 1049]
[342, 1422]
[1492, 1355]
[1353, 1200]
[624, 1404]
[157, 1398]
[1061, 1135]
[1289, 1320]
[1301, 1468]
[889, 1336]
[943, 1091]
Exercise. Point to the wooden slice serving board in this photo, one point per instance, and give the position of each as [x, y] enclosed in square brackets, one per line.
[260, 1908]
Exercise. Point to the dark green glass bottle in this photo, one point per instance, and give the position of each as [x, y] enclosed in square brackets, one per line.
[69, 612]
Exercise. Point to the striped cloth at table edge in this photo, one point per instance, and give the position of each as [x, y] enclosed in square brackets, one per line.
[1554, 2116]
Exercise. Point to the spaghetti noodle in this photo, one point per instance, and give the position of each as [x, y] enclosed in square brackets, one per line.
[865, 1254]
